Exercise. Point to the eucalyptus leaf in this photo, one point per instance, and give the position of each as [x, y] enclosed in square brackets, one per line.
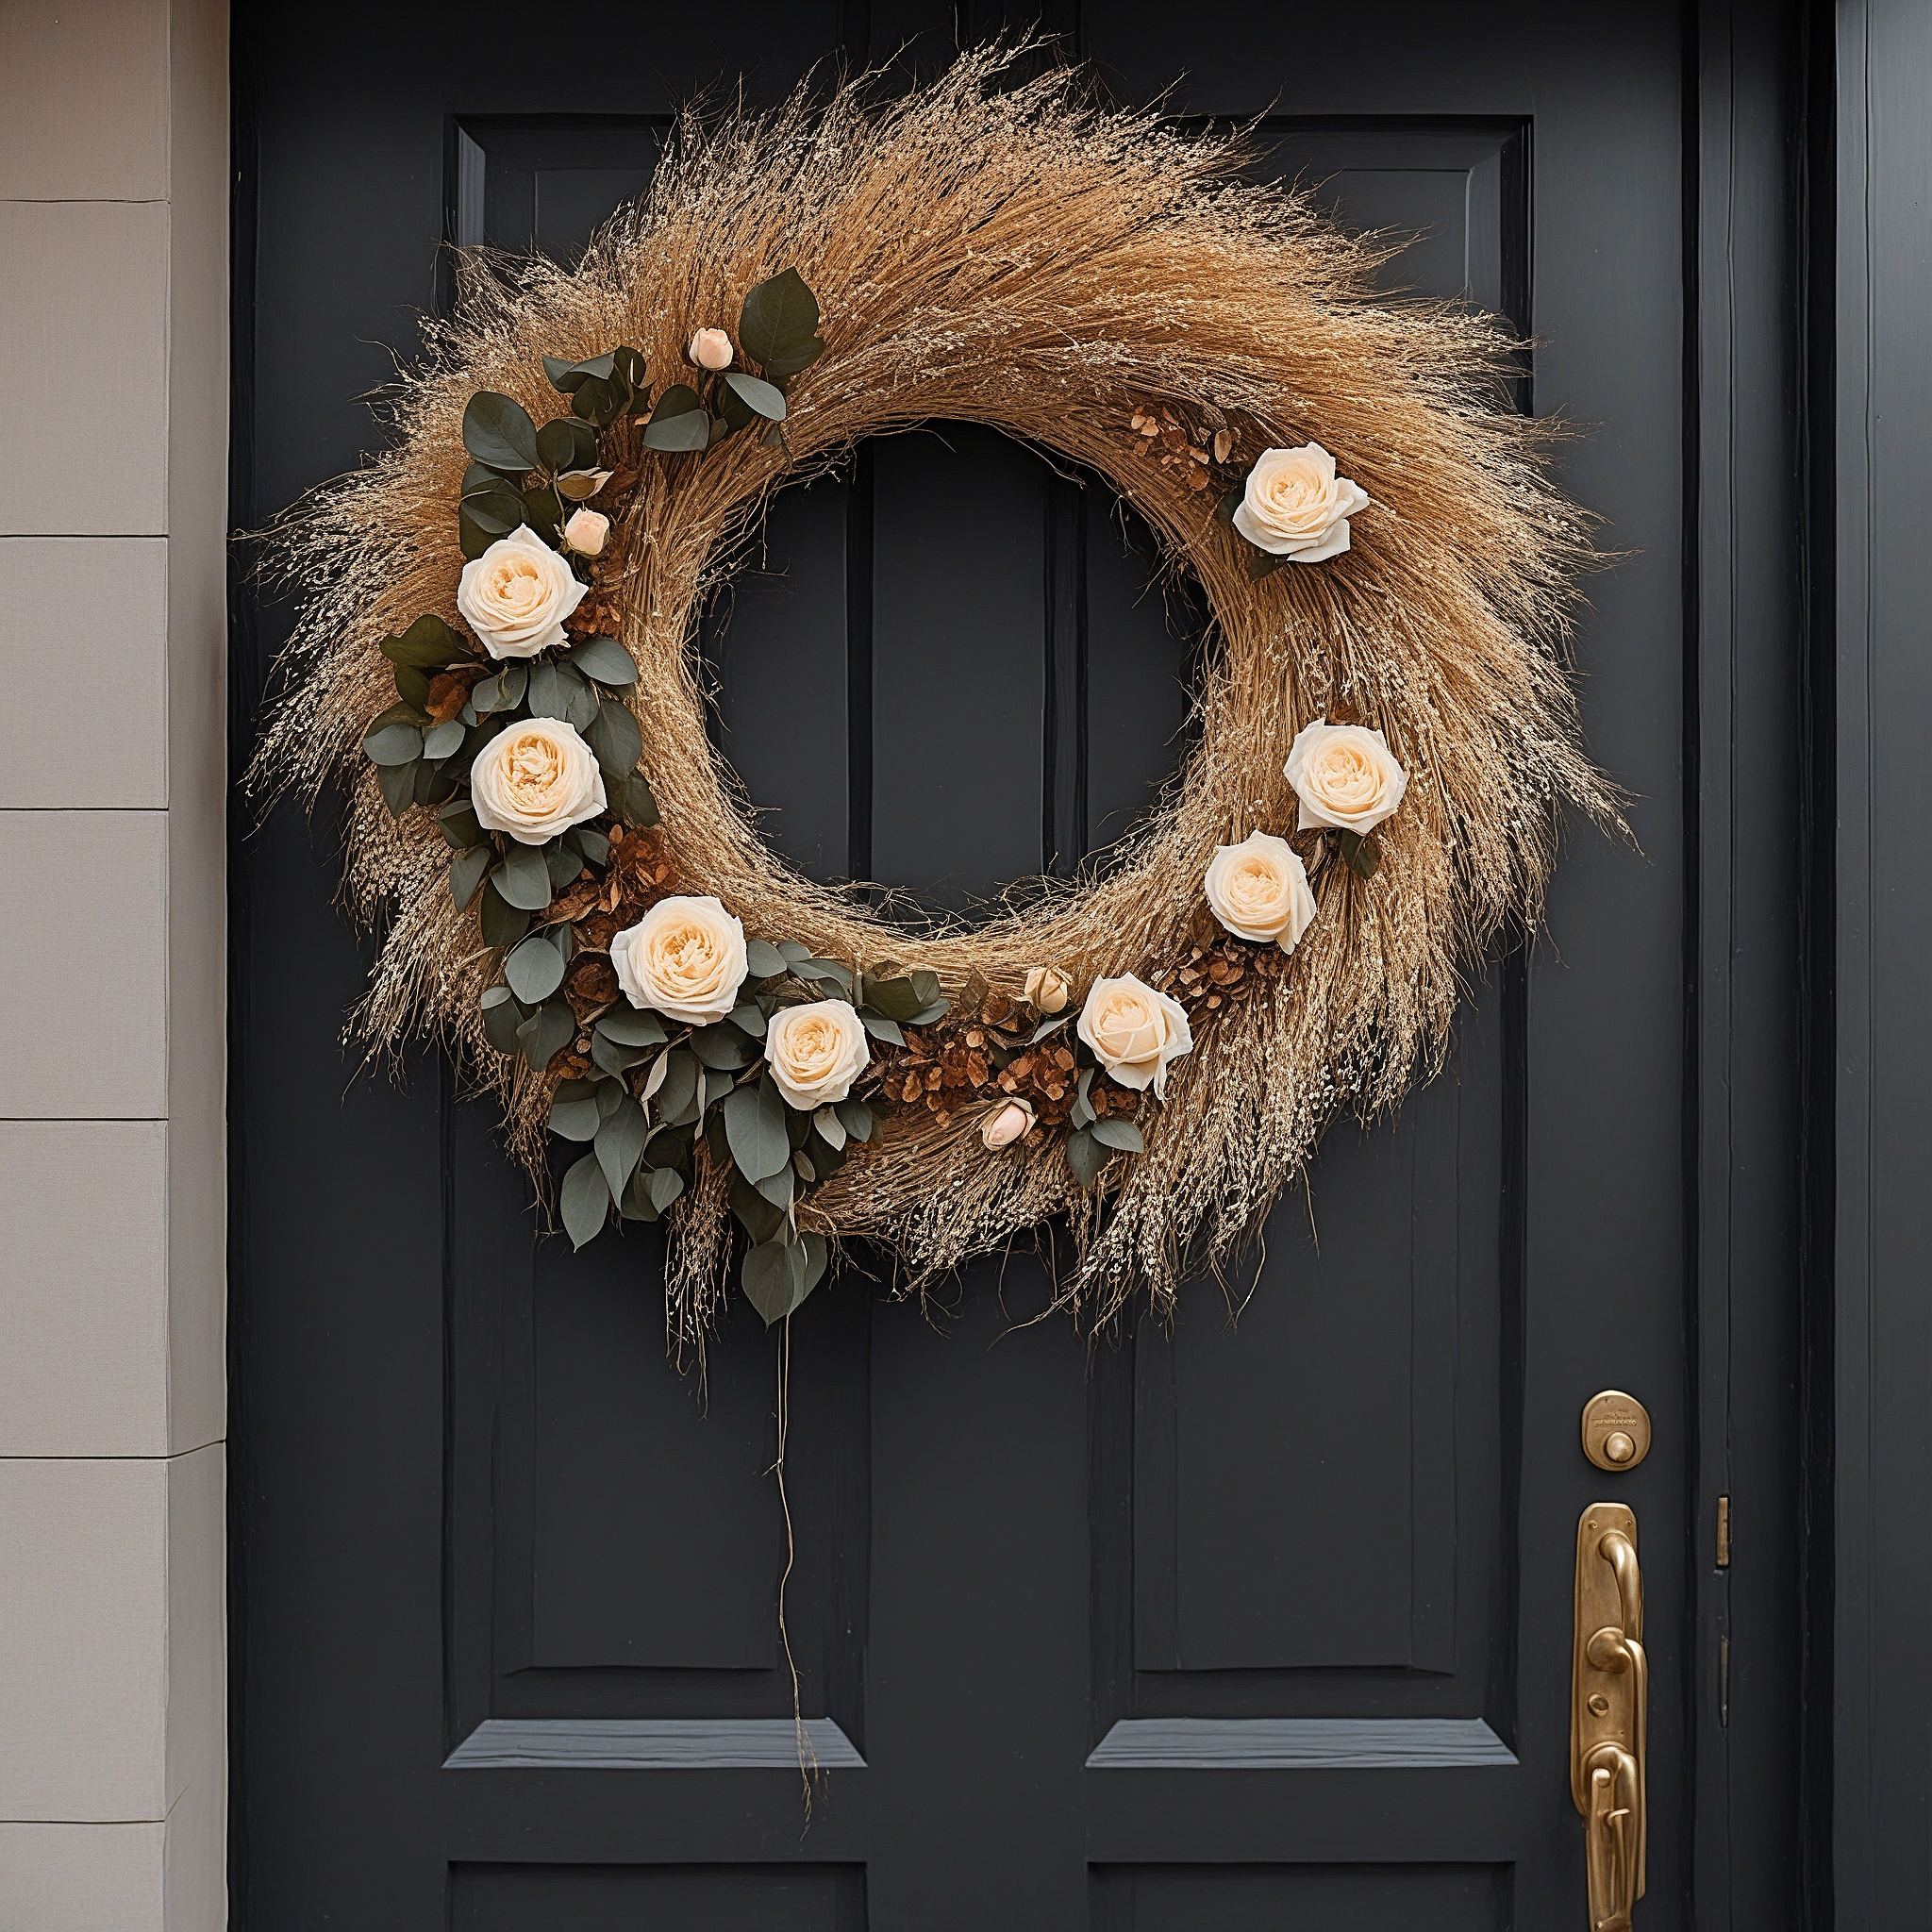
[524, 878]
[612, 1057]
[501, 1016]
[636, 1203]
[631, 799]
[534, 970]
[584, 1201]
[412, 687]
[746, 1017]
[755, 1128]
[577, 1118]
[779, 319]
[664, 1185]
[544, 511]
[605, 659]
[567, 442]
[685, 429]
[399, 786]
[721, 1047]
[598, 400]
[796, 951]
[654, 1078]
[472, 540]
[1361, 853]
[466, 873]
[502, 923]
[497, 430]
[632, 1027]
[757, 1215]
[880, 1027]
[1118, 1134]
[458, 825]
[497, 511]
[856, 1118]
[595, 846]
[677, 1096]
[562, 864]
[394, 744]
[764, 961]
[815, 1260]
[620, 1142]
[545, 1033]
[429, 644]
[614, 736]
[1086, 1157]
[830, 1127]
[779, 1188]
[555, 691]
[775, 1278]
[504, 692]
[757, 395]
[824, 972]
[439, 740]
[896, 999]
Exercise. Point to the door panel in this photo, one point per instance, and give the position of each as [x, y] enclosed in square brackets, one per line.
[1263, 1621]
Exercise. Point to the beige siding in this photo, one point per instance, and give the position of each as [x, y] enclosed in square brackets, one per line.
[113, 332]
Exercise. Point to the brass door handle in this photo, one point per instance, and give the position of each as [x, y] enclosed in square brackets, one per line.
[1610, 1699]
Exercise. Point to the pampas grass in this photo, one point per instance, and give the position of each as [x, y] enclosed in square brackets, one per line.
[1024, 257]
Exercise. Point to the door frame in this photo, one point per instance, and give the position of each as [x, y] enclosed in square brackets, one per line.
[1799, 175]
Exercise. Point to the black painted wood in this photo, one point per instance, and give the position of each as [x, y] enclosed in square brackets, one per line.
[1872, 1044]
[1234, 1625]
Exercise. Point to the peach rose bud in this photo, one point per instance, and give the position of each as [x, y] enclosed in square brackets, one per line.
[1047, 992]
[710, 348]
[587, 532]
[1006, 1125]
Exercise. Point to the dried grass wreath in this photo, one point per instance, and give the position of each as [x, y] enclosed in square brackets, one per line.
[727, 1039]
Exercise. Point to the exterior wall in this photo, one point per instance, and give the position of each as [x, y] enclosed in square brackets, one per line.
[114, 339]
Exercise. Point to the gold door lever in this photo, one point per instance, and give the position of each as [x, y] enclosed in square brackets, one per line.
[1609, 1697]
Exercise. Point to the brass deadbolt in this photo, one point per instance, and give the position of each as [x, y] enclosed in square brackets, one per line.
[1616, 1430]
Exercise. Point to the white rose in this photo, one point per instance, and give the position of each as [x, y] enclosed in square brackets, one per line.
[516, 595]
[587, 532]
[1134, 1031]
[1047, 991]
[710, 348]
[1345, 776]
[1259, 891]
[684, 958]
[1294, 505]
[1007, 1124]
[816, 1052]
[535, 780]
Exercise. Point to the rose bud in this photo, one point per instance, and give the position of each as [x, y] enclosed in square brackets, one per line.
[587, 532]
[1047, 991]
[710, 348]
[1006, 1125]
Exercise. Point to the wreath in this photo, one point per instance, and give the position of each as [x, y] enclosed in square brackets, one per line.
[496, 652]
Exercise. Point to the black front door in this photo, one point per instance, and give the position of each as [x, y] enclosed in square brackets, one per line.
[1260, 1622]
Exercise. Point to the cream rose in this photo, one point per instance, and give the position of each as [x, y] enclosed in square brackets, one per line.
[587, 532]
[710, 348]
[535, 780]
[1294, 505]
[516, 595]
[1005, 1125]
[1134, 1031]
[684, 958]
[816, 1052]
[1345, 776]
[1258, 889]
[1047, 991]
